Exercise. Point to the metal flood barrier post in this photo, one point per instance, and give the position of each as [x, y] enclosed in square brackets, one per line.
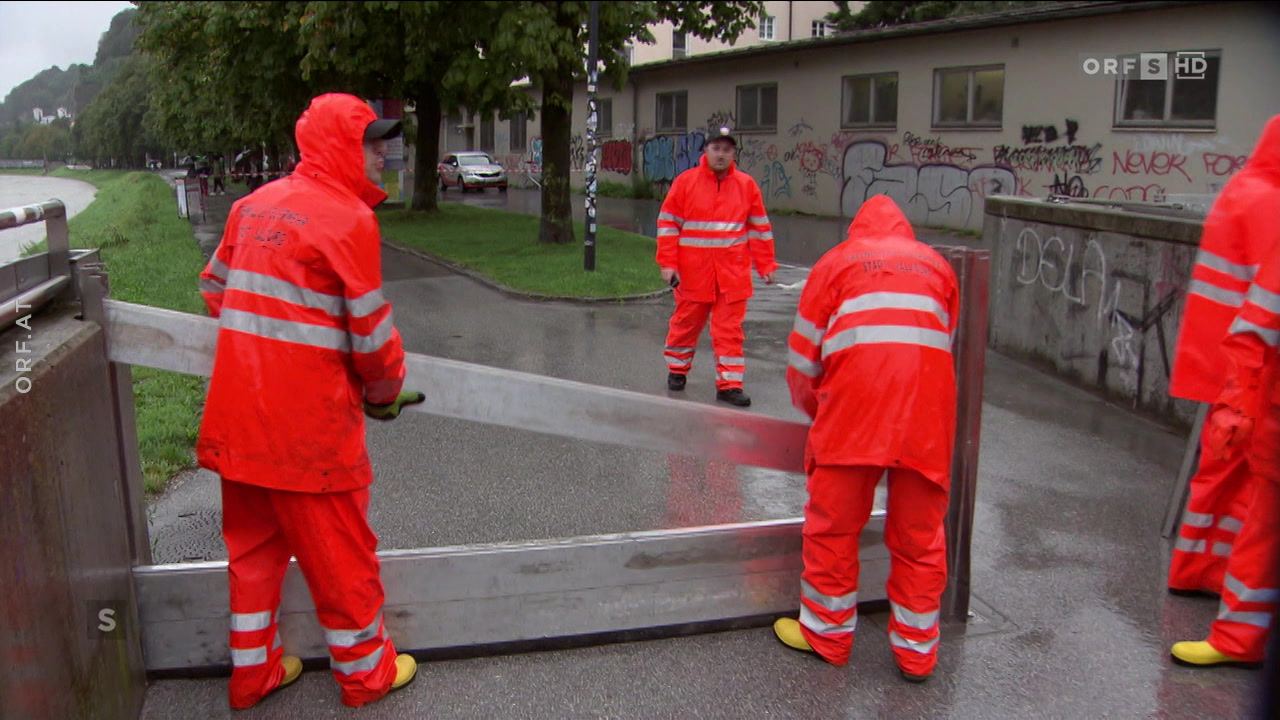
[536, 591]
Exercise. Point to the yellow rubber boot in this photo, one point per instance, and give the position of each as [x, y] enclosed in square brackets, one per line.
[292, 670]
[406, 671]
[1199, 653]
[788, 631]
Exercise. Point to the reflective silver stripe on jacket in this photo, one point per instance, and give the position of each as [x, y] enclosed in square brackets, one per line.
[1248, 594]
[803, 365]
[1229, 524]
[219, 268]
[760, 235]
[667, 231]
[1209, 291]
[758, 219]
[211, 286]
[364, 664]
[1217, 262]
[278, 289]
[814, 623]
[670, 218]
[918, 621]
[1265, 299]
[687, 241]
[375, 340]
[895, 301]
[249, 622]
[351, 638]
[835, 603]
[330, 338]
[808, 330]
[875, 334]
[1240, 326]
[924, 648]
[367, 304]
[713, 226]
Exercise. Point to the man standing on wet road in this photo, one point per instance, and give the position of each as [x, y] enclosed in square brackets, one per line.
[711, 229]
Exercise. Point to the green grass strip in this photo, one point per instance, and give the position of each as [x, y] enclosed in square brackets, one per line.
[504, 246]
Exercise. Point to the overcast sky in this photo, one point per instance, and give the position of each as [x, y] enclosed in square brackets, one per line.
[40, 35]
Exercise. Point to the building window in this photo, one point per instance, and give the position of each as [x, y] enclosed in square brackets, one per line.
[766, 27]
[819, 28]
[629, 54]
[679, 44]
[758, 107]
[519, 132]
[673, 111]
[968, 97]
[870, 101]
[1168, 89]
[486, 133]
[604, 117]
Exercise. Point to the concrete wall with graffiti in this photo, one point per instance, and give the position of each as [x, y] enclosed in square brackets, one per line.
[1057, 134]
[1094, 294]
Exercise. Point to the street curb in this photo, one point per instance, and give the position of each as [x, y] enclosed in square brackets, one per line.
[521, 294]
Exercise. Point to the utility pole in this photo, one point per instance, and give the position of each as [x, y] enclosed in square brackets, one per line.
[593, 75]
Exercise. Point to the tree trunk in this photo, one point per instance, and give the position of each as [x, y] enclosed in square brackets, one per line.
[557, 126]
[426, 188]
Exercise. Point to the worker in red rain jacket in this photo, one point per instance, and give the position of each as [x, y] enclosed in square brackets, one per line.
[306, 348]
[871, 364]
[1243, 221]
[1246, 421]
[711, 228]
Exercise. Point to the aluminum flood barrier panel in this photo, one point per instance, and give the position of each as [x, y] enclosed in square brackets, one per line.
[664, 581]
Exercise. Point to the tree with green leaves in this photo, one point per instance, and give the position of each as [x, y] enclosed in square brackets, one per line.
[226, 75]
[426, 53]
[886, 13]
[547, 43]
[112, 131]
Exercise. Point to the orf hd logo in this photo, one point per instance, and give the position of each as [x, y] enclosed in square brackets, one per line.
[1184, 65]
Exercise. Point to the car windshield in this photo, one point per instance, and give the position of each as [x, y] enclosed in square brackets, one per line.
[474, 160]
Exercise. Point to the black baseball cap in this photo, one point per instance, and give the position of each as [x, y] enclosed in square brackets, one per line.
[383, 129]
[724, 134]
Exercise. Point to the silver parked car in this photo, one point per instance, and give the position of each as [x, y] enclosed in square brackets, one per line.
[471, 171]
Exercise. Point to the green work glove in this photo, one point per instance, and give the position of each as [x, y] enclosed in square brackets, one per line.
[391, 410]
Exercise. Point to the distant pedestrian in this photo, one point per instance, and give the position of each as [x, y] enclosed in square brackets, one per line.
[711, 229]
[219, 170]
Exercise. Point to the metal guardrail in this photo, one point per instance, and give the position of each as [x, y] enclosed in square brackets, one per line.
[28, 284]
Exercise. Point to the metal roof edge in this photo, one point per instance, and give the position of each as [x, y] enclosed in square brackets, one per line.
[1045, 13]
